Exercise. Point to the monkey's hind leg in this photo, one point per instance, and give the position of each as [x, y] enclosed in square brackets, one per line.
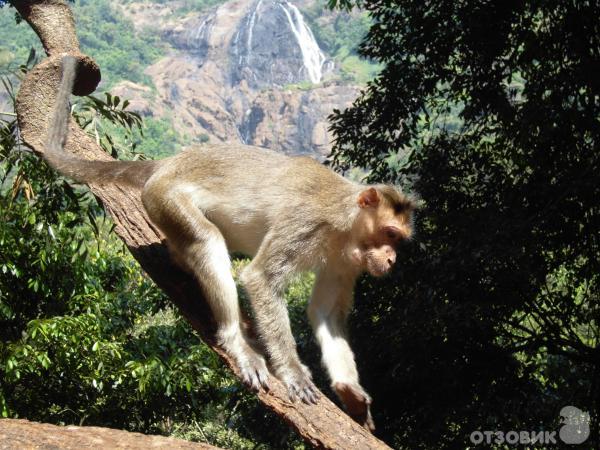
[263, 281]
[198, 245]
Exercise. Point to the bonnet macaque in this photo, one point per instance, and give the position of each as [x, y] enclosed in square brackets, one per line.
[290, 214]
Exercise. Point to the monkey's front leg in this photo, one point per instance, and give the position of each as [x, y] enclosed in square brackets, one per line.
[328, 310]
[273, 326]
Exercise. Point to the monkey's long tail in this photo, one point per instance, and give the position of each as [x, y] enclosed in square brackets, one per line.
[132, 173]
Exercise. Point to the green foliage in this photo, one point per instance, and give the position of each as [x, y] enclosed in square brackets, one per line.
[159, 138]
[202, 138]
[85, 336]
[301, 86]
[99, 26]
[99, 23]
[123, 134]
[17, 40]
[104, 118]
[353, 68]
[154, 138]
[490, 112]
[182, 7]
[40, 212]
[339, 35]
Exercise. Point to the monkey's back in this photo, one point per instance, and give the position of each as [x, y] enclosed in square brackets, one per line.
[248, 190]
[257, 174]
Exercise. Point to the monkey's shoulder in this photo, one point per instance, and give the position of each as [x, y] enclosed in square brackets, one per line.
[314, 173]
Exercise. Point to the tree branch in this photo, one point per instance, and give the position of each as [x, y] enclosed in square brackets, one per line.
[21, 434]
[323, 425]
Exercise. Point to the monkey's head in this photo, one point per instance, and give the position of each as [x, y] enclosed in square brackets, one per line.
[383, 222]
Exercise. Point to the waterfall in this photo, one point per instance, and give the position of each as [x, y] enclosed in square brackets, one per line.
[251, 23]
[312, 56]
[200, 29]
[274, 45]
[197, 39]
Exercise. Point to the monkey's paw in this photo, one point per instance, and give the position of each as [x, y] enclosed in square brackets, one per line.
[253, 370]
[357, 403]
[298, 381]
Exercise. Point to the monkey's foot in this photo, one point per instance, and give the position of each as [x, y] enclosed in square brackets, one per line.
[253, 368]
[298, 381]
[357, 403]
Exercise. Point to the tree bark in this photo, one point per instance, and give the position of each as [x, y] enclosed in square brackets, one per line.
[323, 425]
[16, 434]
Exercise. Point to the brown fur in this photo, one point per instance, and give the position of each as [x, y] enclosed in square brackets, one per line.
[123, 172]
[290, 214]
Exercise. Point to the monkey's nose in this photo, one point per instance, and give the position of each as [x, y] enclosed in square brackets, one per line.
[391, 258]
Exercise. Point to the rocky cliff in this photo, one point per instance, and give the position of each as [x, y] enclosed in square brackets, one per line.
[248, 70]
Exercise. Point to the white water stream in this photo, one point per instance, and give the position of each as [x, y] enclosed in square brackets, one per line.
[312, 55]
[313, 58]
[251, 23]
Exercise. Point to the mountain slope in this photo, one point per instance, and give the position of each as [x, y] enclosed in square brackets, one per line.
[247, 70]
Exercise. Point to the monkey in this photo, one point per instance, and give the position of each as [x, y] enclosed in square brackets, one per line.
[290, 215]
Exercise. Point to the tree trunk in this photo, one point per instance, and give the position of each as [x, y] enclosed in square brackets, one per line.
[17, 434]
[323, 425]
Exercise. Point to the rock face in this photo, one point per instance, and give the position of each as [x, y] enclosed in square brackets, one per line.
[248, 70]
[273, 46]
[22, 434]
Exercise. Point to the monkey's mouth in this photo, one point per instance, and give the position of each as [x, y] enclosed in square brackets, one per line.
[379, 271]
[384, 273]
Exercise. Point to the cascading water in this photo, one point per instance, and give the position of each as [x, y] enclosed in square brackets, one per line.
[273, 45]
[197, 39]
[312, 56]
[251, 23]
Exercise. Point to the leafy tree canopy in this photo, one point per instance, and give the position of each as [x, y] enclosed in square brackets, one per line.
[490, 112]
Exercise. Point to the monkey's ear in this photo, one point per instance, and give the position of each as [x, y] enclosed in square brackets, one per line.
[368, 197]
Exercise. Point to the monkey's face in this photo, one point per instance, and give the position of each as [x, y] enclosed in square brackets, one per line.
[378, 261]
[378, 230]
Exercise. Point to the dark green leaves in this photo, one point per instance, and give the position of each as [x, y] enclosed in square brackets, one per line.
[490, 112]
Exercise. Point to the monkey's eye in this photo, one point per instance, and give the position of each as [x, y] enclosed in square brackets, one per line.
[392, 233]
